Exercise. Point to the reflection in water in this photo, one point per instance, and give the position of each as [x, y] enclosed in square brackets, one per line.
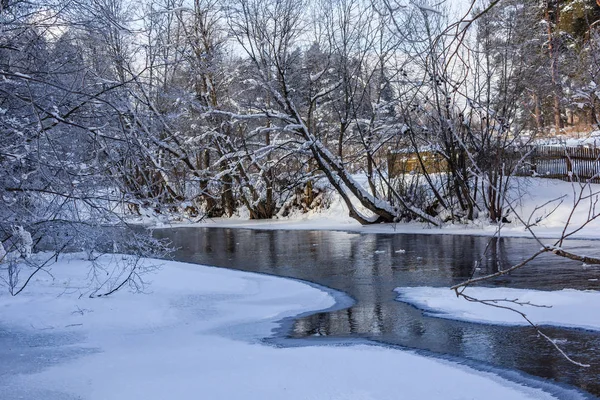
[368, 267]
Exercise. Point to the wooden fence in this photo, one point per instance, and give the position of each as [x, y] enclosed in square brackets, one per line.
[566, 163]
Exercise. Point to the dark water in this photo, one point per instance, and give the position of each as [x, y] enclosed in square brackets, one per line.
[366, 267]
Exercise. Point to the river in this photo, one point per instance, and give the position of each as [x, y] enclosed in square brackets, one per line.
[368, 267]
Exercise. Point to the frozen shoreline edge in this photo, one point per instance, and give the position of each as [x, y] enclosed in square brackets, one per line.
[341, 300]
[269, 225]
[279, 338]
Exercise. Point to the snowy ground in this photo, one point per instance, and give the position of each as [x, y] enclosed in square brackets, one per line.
[528, 194]
[568, 307]
[195, 335]
[590, 140]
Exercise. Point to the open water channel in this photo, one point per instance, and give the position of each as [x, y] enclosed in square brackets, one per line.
[368, 267]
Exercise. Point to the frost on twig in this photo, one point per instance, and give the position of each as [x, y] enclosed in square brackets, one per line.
[507, 304]
[581, 195]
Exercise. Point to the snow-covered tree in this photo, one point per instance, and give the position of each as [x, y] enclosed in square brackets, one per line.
[62, 143]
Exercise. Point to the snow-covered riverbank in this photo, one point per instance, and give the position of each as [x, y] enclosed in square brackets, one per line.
[195, 334]
[552, 201]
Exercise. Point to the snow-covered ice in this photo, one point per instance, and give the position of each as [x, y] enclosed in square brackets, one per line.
[567, 307]
[196, 335]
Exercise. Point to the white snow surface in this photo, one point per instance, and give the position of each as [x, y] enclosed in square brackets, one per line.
[567, 307]
[551, 200]
[582, 139]
[195, 334]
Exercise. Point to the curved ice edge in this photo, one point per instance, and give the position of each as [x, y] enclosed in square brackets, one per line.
[437, 313]
[341, 300]
[276, 327]
[557, 389]
[279, 338]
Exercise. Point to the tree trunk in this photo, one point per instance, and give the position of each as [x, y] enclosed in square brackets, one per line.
[552, 54]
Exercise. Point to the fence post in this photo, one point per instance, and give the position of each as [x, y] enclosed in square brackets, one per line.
[569, 165]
